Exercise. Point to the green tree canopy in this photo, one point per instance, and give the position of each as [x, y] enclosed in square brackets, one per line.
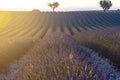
[105, 4]
[53, 5]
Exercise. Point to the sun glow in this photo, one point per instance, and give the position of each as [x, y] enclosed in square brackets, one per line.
[5, 18]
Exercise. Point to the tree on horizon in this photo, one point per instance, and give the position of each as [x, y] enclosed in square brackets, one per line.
[105, 4]
[53, 5]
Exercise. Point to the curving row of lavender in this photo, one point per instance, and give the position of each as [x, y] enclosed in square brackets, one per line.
[39, 24]
[59, 57]
[105, 42]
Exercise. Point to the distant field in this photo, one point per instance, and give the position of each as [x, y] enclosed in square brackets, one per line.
[39, 24]
[22, 30]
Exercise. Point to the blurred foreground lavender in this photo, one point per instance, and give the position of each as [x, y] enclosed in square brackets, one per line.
[59, 57]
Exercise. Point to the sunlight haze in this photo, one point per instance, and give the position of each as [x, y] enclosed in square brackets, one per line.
[64, 4]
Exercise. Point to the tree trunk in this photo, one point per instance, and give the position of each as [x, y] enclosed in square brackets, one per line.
[105, 9]
[53, 9]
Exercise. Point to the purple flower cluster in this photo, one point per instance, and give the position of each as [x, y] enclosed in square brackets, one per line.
[60, 57]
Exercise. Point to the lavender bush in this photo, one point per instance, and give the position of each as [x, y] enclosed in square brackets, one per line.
[60, 57]
[106, 42]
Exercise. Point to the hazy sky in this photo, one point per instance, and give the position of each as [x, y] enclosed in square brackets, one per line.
[64, 4]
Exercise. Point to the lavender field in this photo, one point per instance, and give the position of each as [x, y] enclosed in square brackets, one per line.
[38, 24]
[79, 45]
[105, 42]
[60, 57]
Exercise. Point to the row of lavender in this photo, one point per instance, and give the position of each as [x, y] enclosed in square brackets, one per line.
[105, 42]
[31, 24]
[59, 57]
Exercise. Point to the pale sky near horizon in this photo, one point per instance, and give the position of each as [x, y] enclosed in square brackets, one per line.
[64, 4]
